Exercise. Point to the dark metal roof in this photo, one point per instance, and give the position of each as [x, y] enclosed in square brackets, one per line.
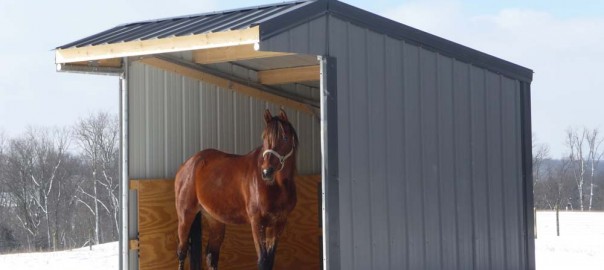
[188, 25]
[276, 18]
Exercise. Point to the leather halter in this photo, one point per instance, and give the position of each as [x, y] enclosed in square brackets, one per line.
[281, 158]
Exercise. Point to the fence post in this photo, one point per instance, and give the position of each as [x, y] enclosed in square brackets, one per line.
[557, 220]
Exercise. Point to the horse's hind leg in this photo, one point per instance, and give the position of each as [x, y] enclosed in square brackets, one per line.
[185, 220]
[215, 237]
[195, 244]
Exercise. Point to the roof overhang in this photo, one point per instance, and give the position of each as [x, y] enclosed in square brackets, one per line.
[158, 46]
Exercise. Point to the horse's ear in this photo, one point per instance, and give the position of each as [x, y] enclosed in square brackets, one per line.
[267, 116]
[283, 115]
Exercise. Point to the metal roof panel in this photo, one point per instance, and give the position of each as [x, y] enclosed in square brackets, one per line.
[187, 25]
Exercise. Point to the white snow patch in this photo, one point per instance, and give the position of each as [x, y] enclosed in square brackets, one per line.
[101, 257]
[579, 246]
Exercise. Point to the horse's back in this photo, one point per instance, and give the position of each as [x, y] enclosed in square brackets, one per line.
[200, 159]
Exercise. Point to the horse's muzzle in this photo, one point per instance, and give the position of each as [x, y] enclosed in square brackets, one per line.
[267, 174]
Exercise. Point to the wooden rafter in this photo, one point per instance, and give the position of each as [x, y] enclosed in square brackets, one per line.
[231, 53]
[114, 63]
[289, 75]
[228, 84]
[157, 46]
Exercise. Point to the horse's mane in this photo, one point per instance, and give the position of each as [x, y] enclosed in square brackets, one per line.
[277, 126]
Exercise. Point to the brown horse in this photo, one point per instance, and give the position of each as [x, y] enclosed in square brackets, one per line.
[257, 188]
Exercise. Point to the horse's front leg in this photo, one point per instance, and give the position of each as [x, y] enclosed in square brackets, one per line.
[265, 240]
[215, 238]
[272, 239]
[259, 234]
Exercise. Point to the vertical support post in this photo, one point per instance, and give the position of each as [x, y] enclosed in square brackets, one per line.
[124, 183]
[535, 222]
[527, 171]
[329, 158]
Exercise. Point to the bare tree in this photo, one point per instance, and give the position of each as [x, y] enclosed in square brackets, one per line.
[576, 141]
[51, 198]
[594, 141]
[556, 187]
[30, 175]
[98, 138]
[20, 162]
[540, 153]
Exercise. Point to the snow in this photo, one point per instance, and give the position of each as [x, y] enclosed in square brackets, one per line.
[101, 257]
[579, 246]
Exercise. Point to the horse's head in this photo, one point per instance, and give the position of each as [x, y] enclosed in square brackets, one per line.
[279, 142]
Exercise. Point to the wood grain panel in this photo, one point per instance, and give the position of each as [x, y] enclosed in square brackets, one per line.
[299, 247]
[289, 75]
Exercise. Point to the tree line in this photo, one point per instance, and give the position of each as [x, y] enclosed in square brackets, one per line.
[59, 187]
[574, 182]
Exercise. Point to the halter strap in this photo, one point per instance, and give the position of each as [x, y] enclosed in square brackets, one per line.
[281, 158]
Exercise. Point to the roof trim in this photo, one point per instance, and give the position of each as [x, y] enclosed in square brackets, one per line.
[157, 46]
[426, 40]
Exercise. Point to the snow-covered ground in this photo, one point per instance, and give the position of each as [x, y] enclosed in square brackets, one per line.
[580, 246]
[102, 257]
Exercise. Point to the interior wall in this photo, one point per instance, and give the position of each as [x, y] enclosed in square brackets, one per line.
[172, 117]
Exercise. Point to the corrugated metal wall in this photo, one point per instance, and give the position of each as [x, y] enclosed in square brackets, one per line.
[430, 173]
[430, 158]
[172, 117]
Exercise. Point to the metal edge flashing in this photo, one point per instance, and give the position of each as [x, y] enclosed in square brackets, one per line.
[110, 71]
[330, 172]
[279, 24]
[124, 177]
[426, 40]
[527, 172]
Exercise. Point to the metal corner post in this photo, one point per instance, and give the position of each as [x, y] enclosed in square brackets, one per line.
[329, 172]
[527, 171]
[125, 189]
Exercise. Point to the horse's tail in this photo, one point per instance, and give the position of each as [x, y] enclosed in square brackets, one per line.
[195, 243]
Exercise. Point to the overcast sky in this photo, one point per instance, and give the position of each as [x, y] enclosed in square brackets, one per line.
[562, 41]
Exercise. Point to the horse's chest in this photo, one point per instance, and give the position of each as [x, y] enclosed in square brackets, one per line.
[276, 204]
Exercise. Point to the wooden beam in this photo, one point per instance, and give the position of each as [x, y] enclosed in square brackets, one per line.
[289, 75]
[134, 184]
[113, 63]
[133, 244]
[232, 53]
[156, 46]
[227, 84]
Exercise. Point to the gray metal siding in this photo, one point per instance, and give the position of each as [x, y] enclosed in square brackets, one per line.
[303, 39]
[173, 117]
[429, 158]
